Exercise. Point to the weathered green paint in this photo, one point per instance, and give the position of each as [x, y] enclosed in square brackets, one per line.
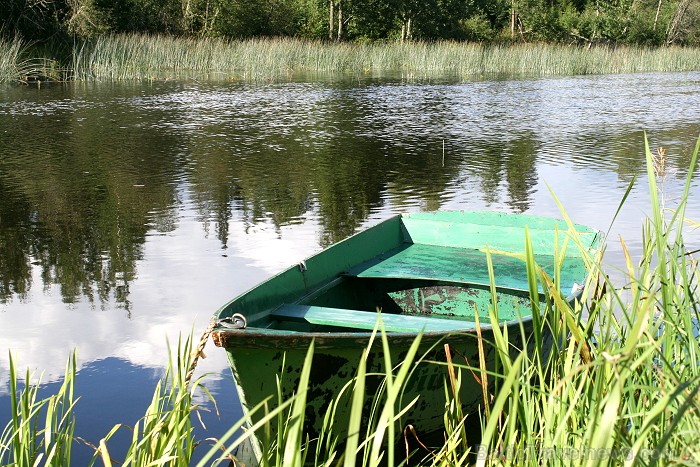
[464, 302]
[467, 266]
[426, 272]
[342, 318]
[256, 370]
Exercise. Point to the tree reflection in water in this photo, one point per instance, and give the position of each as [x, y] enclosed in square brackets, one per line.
[88, 173]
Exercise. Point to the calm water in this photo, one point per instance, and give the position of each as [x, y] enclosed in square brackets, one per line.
[129, 213]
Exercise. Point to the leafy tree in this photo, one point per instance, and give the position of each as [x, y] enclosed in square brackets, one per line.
[147, 16]
[86, 19]
[540, 20]
[439, 19]
[582, 22]
[476, 28]
[38, 20]
[644, 27]
[250, 18]
[313, 18]
[370, 19]
[684, 25]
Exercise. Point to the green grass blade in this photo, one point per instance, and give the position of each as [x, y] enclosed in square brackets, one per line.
[292, 448]
[358, 399]
[511, 381]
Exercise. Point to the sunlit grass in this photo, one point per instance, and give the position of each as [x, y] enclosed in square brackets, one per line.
[165, 433]
[611, 378]
[10, 60]
[147, 57]
[40, 431]
[138, 57]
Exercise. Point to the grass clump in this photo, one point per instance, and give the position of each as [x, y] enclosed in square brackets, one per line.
[20, 63]
[164, 436]
[10, 53]
[624, 388]
[41, 431]
[157, 57]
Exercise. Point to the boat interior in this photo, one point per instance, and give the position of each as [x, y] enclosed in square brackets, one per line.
[416, 287]
[406, 305]
[430, 272]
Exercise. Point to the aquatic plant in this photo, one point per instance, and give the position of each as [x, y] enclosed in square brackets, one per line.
[10, 60]
[158, 57]
[624, 388]
[19, 63]
[140, 57]
[41, 430]
[164, 435]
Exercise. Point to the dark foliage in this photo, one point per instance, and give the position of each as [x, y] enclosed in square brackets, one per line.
[643, 22]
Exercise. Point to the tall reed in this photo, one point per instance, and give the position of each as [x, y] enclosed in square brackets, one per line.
[147, 57]
[139, 57]
[40, 431]
[20, 63]
[624, 388]
[164, 436]
[10, 60]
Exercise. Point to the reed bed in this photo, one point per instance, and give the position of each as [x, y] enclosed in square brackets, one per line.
[139, 57]
[19, 64]
[147, 57]
[620, 384]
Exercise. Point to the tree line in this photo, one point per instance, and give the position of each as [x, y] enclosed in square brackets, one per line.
[582, 22]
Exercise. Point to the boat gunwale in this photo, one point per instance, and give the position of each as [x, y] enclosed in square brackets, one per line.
[260, 337]
[288, 340]
[255, 335]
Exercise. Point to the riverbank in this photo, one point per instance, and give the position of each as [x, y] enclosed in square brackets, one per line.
[142, 57]
[622, 389]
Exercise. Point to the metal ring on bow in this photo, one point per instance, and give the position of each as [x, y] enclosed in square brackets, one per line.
[236, 321]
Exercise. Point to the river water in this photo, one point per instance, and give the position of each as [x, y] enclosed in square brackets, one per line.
[130, 212]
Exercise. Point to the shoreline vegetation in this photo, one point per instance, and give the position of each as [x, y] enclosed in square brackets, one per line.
[140, 57]
[621, 387]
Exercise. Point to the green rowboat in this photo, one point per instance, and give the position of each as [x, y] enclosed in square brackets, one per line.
[426, 272]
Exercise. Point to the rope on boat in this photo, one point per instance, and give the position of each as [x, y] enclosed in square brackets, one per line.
[237, 321]
[199, 351]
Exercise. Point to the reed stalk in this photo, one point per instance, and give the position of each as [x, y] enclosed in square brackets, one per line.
[19, 63]
[9, 59]
[164, 436]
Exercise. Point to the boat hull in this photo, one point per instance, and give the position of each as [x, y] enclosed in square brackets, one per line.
[257, 363]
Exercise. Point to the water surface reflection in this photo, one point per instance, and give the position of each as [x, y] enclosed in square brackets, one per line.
[129, 212]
